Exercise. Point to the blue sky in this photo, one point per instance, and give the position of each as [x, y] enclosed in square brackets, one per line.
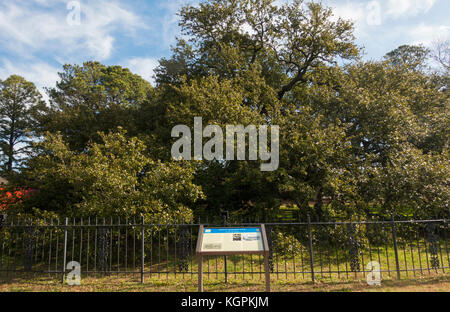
[37, 39]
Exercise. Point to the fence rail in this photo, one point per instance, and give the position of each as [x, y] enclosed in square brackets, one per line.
[298, 250]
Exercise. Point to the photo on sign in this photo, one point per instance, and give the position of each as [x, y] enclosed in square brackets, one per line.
[251, 237]
[213, 246]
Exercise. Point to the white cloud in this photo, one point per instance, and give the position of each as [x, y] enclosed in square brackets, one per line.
[428, 34]
[169, 29]
[42, 74]
[169, 21]
[350, 10]
[143, 67]
[401, 8]
[353, 11]
[31, 27]
[246, 28]
[373, 13]
[100, 48]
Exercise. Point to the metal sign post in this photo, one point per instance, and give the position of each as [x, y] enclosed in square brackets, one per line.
[227, 241]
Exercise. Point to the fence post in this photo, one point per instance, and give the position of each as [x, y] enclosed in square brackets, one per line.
[394, 237]
[142, 250]
[225, 221]
[29, 246]
[65, 250]
[311, 259]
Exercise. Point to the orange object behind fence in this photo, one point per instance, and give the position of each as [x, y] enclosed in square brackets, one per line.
[8, 198]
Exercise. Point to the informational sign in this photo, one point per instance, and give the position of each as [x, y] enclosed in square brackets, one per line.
[232, 239]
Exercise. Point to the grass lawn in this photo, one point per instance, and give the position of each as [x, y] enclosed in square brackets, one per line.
[423, 278]
[164, 283]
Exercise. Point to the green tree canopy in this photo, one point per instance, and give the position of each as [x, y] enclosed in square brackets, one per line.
[287, 41]
[111, 178]
[413, 57]
[367, 136]
[94, 98]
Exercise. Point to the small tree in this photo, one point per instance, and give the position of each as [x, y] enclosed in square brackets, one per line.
[94, 98]
[20, 104]
[441, 54]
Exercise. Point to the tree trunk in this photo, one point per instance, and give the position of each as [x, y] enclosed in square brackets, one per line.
[319, 204]
[10, 154]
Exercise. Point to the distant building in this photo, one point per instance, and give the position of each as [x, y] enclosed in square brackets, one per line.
[3, 181]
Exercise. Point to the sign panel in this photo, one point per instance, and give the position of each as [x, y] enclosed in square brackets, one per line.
[232, 240]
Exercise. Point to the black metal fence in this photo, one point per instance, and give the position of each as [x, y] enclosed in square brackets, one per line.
[298, 250]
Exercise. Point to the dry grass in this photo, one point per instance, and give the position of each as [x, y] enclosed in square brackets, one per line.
[429, 283]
